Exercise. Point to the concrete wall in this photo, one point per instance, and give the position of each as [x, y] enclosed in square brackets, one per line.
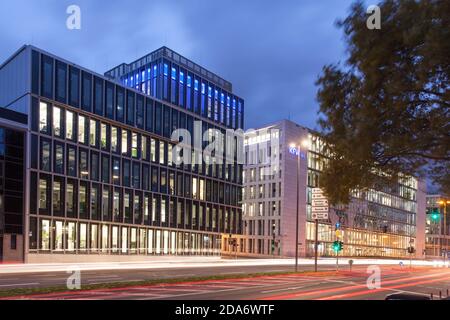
[12, 255]
[421, 219]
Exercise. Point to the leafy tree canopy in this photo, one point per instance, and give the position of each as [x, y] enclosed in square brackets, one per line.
[387, 108]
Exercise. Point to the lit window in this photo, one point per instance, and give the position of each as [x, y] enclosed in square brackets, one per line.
[134, 145]
[43, 117]
[114, 139]
[93, 133]
[103, 137]
[153, 150]
[144, 148]
[69, 125]
[57, 121]
[124, 142]
[81, 129]
[162, 158]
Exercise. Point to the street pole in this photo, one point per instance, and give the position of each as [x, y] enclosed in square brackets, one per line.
[316, 244]
[297, 213]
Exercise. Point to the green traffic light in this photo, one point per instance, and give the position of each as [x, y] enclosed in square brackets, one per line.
[337, 246]
[435, 215]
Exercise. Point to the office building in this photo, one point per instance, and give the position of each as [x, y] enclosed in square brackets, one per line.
[377, 223]
[87, 166]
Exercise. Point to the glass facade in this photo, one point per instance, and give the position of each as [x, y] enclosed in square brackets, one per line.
[377, 223]
[103, 179]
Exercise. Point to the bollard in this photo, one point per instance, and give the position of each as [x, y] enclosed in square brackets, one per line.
[431, 295]
[440, 295]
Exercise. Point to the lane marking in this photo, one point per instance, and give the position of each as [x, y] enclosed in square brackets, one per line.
[19, 284]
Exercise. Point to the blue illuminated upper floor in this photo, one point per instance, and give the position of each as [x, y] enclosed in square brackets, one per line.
[166, 75]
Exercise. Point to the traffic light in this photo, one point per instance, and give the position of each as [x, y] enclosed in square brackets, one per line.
[338, 246]
[435, 215]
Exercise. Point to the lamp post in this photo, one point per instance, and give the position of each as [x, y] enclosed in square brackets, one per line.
[297, 152]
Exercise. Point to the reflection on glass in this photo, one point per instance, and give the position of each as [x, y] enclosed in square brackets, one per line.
[57, 121]
[69, 125]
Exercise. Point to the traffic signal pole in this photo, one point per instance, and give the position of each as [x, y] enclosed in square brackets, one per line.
[316, 244]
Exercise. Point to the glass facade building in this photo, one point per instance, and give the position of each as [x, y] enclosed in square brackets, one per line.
[100, 173]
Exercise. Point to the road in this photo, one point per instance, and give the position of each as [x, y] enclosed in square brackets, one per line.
[325, 285]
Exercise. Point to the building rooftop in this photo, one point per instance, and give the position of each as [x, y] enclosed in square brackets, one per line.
[169, 54]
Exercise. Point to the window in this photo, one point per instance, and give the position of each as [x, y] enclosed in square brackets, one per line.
[94, 237]
[153, 150]
[57, 198]
[155, 179]
[109, 103]
[86, 99]
[82, 197]
[74, 87]
[57, 117]
[59, 158]
[162, 154]
[127, 205]
[43, 190]
[45, 235]
[70, 125]
[163, 210]
[137, 208]
[94, 202]
[93, 133]
[104, 136]
[126, 173]
[134, 145]
[98, 96]
[70, 199]
[105, 204]
[94, 166]
[116, 171]
[120, 101]
[43, 118]
[13, 242]
[105, 169]
[81, 129]
[130, 108]
[83, 163]
[124, 142]
[114, 139]
[47, 77]
[136, 175]
[116, 205]
[61, 80]
[144, 149]
[45, 155]
[140, 112]
[149, 116]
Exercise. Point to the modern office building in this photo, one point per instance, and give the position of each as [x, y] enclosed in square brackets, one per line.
[86, 163]
[437, 227]
[377, 223]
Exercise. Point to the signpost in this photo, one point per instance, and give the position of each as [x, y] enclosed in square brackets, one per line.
[319, 210]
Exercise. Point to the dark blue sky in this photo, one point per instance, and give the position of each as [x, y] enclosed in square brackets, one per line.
[272, 51]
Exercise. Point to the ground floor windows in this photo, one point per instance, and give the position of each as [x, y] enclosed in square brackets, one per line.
[65, 236]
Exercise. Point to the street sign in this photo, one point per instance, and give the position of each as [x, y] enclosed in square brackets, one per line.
[319, 210]
[320, 203]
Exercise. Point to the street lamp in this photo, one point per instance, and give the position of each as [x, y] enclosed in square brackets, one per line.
[297, 149]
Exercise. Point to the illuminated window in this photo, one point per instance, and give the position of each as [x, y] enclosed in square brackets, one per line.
[70, 125]
[124, 142]
[57, 121]
[93, 133]
[83, 236]
[43, 117]
[81, 129]
[103, 136]
[114, 139]
[43, 194]
[134, 145]
[162, 158]
[153, 150]
[45, 234]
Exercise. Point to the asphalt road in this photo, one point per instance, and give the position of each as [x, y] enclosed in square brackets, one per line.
[325, 285]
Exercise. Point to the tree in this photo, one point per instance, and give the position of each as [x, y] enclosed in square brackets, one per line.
[387, 108]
